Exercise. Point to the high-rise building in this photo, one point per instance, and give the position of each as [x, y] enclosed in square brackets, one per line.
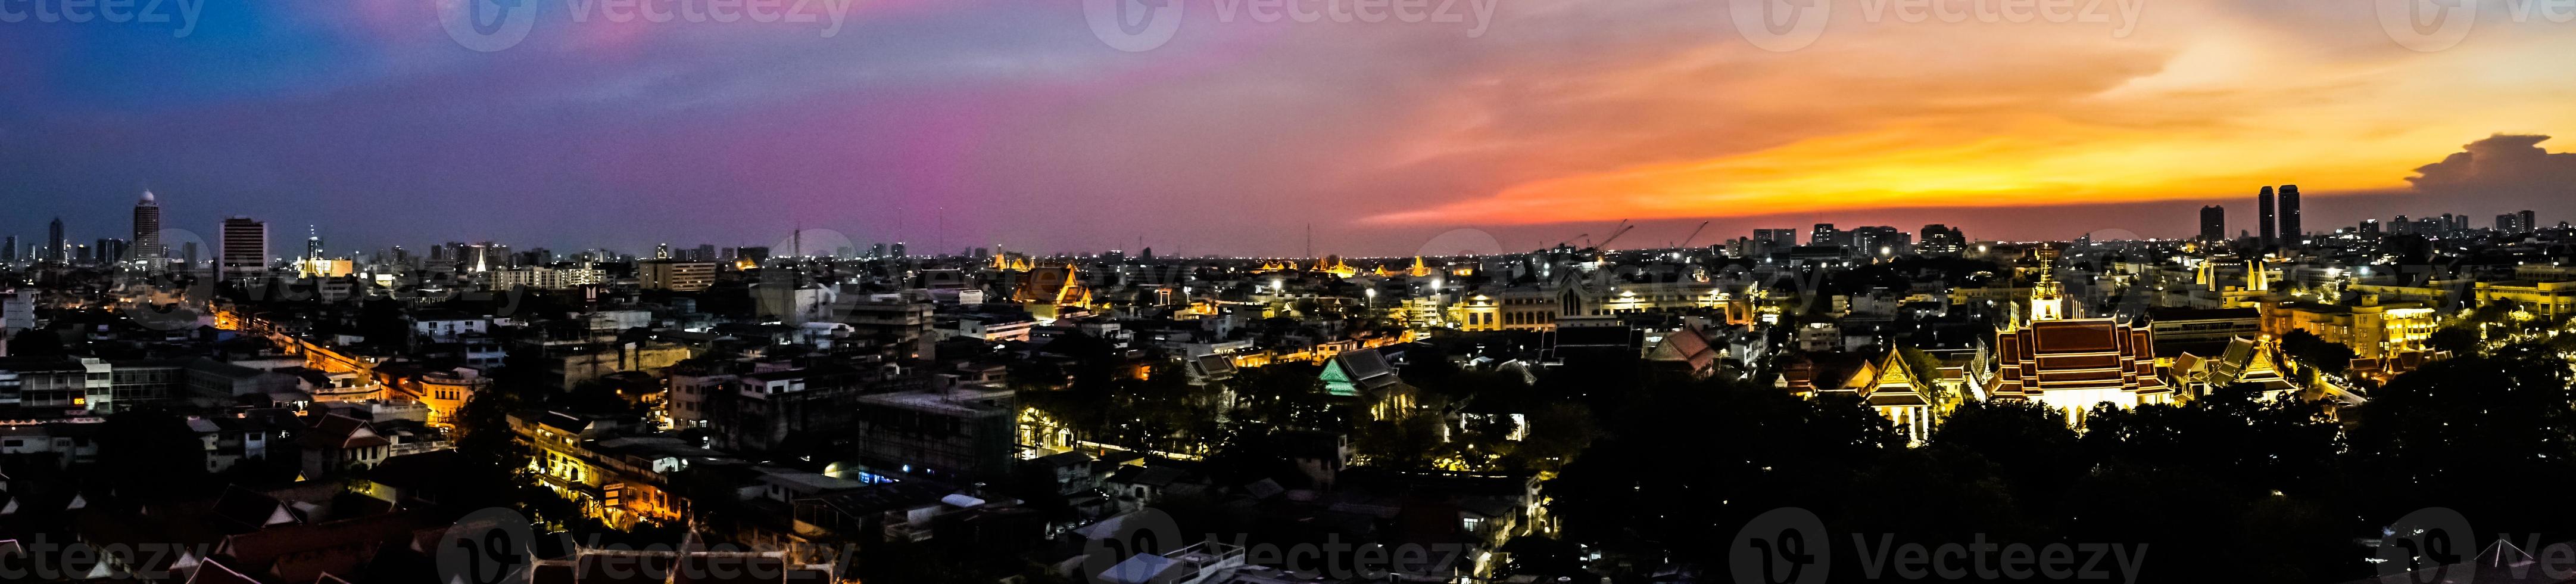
[2509, 223]
[675, 275]
[2530, 221]
[245, 248]
[56, 249]
[1825, 234]
[2292, 234]
[2213, 224]
[147, 234]
[2370, 229]
[108, 252]
[9, 251]
[1941, 239]
[2265, 219]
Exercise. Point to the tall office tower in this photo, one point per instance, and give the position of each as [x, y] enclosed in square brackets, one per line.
[245, 249]
[706, 253]
[188, 255]
[1825, 234]
[2213, 224]
[2530, 221]
[896, 250]
[147, 234]
[2370, 229]
[2509, 223]
[2291, 232]
[110, 250]
[55, 248]
[9, 251]
[312, 243]
[1769, 241]
[2266, 220]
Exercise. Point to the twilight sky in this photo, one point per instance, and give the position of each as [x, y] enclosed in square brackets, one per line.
[1012, 122]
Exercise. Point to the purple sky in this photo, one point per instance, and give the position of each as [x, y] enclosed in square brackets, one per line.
[983, 122]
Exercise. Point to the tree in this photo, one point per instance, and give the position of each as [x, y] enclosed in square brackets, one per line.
[147, 455]
[2318, 353]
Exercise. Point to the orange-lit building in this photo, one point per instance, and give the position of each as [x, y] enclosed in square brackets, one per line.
[2074, 364]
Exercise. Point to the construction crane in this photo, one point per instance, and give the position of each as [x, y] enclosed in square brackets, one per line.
[1694, 234]
[1614, 236]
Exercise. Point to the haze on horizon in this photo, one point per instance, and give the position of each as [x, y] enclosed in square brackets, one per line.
[958, 123]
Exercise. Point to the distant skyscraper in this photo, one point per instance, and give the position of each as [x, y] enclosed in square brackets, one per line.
[2530, 221]
[2509, 223]
[2370, 229]
[245, 248]
[147, 233]
[1825, 234]
[55, 248]
[312, 244]
[896, 250]
[2291, 232]
[2213, 223]
[2265, 219]
[9, 251]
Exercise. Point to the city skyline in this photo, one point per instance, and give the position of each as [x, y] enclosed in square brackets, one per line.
[2171, 221]
[917, 122]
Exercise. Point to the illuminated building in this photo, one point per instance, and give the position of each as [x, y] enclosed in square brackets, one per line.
[2292, 234]
[1047, 293]
[1478, 312]
[147, 233]
[1886, 384]
[1941, 239]
[2265, 219]
[1333, 264]
[2074, 364]
[675, 275]
[2240, 362]
[245, 248]
[2372, 330]
[2047, 296]
[2543, 299]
